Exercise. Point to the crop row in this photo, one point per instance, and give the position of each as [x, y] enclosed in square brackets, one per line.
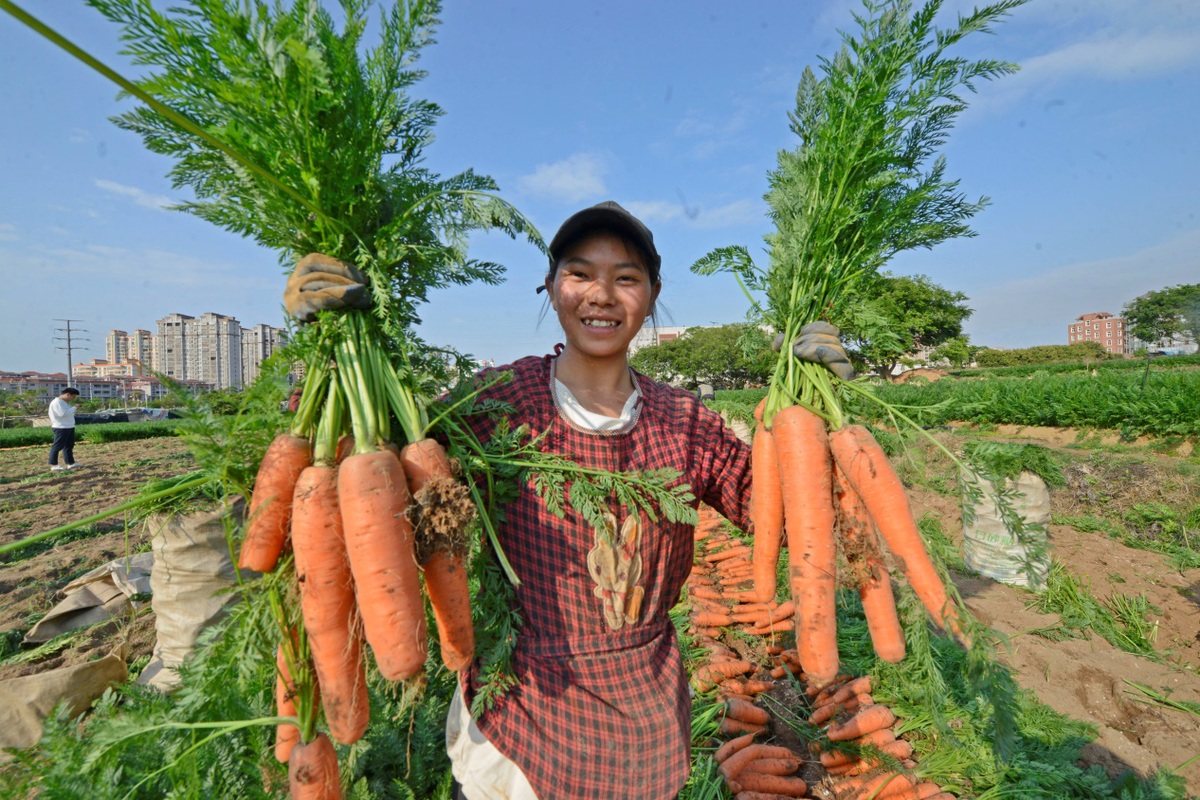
[1079, 367]
[1166, 403]
[97, 434]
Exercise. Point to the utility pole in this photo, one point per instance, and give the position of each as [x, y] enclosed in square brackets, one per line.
[70, 340]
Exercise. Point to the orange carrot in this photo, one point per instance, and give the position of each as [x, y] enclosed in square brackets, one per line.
[711, 619]
[271, 502]
[875, 586]
[781, 611]
[345, 447]
[286, 735]
[373, 496]
[777, 784]
[888, 786]
[705, 593]
[747, 712]
[772, 766]
[898, 749]
[327, 602]
[802, 449]
[880, 738]
[733, 552]
[755, 687]
[445, 573]
[733, 765]
[867, 720]
[709, 675]
[313, 771]
[869, 472]
[926, 790]
[766, 512]
[828, 711]
[748, 795]
[735, 727]
[732, 746]
[860, 685]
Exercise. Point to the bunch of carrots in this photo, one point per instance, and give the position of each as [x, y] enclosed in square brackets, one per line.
[812, 484]
[864, 183]
[347, 513]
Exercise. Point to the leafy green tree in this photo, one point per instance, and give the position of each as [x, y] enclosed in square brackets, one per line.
[727, 357]
[1165, 314]
[908, 314]
[958, 350]
[21, 403]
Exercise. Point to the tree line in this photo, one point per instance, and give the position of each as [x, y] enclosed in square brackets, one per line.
[902, 320]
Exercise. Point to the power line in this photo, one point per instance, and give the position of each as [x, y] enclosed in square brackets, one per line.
[70, 341]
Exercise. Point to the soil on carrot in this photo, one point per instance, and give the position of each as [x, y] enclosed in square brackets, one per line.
[32, 500]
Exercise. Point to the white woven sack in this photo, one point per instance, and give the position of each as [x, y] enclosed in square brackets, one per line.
[990, 549]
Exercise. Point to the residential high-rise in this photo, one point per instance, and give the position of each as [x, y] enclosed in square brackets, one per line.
[116, 346]
[121, 347]
[171, 347]
[1101, 327]
[258, 343]
[207, 348]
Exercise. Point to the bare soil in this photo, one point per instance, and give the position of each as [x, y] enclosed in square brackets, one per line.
[33, 500]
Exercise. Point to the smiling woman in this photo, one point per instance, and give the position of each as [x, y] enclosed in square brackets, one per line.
[603, 282]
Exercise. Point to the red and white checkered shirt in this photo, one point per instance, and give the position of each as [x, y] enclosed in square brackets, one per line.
[600, 712]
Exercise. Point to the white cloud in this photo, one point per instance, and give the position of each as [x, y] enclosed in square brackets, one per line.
[1037, 310]
[8, 232]
[140, 196]
[1130, 55]
[657, 212]
[574, 179]
[79, 136]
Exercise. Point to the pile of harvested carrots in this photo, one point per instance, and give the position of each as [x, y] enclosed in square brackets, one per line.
[349, 526]
[816, 484]
[859, 756]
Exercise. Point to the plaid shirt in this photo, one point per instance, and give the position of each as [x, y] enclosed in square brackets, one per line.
[598, 712]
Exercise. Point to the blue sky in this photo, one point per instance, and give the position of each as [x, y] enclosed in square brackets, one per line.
[1090, 156]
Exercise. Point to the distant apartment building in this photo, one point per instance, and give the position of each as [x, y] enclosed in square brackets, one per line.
[258, 344]
[100, 368]
[1103, 328]
[213, 349]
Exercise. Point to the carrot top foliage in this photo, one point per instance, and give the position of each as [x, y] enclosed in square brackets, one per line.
[865, 181]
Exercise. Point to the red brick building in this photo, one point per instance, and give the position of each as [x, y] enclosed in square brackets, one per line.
[1102, 327]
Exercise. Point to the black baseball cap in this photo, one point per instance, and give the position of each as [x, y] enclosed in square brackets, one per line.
[611, 215]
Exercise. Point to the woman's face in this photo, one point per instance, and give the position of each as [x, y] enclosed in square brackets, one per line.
[602, 294]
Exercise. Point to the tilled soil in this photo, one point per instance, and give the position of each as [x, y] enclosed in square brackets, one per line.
[33, 500]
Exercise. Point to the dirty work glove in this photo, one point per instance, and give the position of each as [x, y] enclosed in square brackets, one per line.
[322, 283]
[819, 343]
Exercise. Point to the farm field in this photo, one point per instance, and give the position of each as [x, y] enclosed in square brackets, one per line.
[1077, 673]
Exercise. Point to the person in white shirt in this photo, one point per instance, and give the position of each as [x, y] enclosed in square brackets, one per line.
[62, 420]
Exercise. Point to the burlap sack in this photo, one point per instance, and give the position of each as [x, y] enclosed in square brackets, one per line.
[990, 549]
[26, 702]
[104, 593]
[192, 573]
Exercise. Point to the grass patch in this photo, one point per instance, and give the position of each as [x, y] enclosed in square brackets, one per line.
[101, 433]
[1121, 620]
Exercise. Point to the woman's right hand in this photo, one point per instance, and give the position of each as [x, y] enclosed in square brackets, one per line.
[322, 283]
